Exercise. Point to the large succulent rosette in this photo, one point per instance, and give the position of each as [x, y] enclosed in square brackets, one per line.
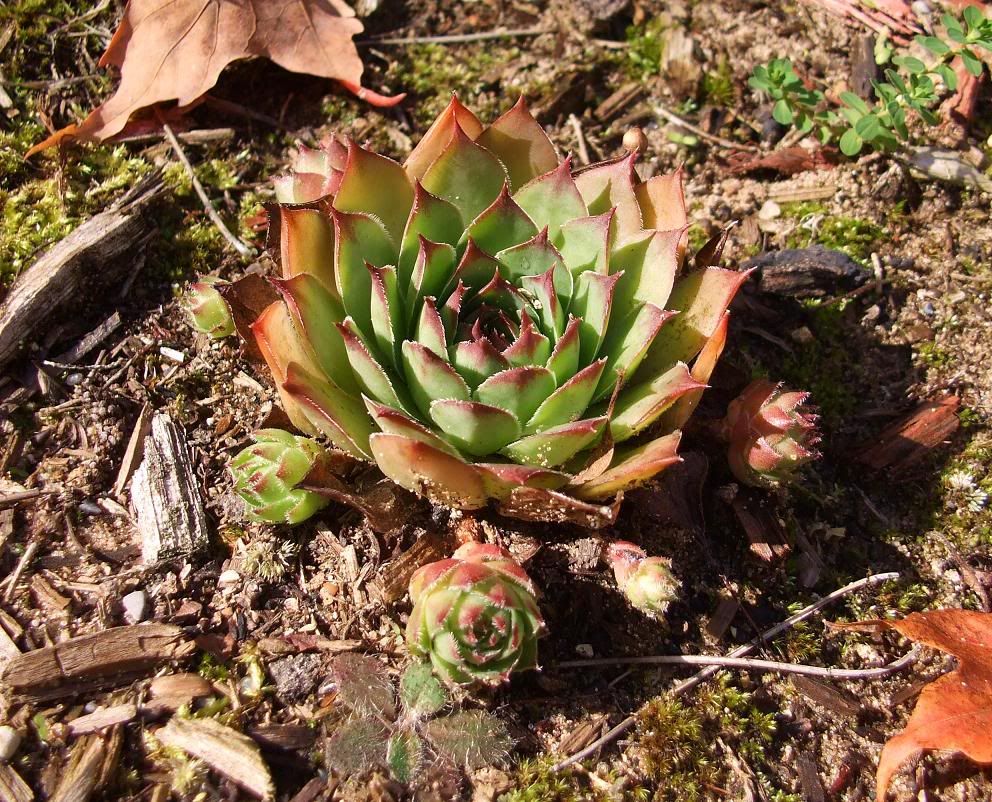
[771, 434]
[486, 325]
[474, 616]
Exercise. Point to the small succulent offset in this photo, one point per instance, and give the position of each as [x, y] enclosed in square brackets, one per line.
[912, 87]
[267, 473]
[208, 311]
[647, 582]
[414, 738]
[485, 325]
[771, 434]
[474, 616]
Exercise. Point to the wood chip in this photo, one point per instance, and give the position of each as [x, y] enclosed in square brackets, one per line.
[12, 787]
[392, 580]
[834, 699]
[226, 751]
[91, 761]
[94, 660]
[763, 528]
[135, 449]
[103, 718]
[788, 194]
[166, 498]
[721, 619]
[911, 438]
[61, 278]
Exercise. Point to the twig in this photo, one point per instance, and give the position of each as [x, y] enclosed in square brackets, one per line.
[10, 499]
[236, 243]
[11, 581]
[748, 663]
[581, 138]
[454, 39]
[673, 118]
[709, 671]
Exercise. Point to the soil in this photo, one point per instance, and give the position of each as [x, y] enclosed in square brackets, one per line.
[912, 326]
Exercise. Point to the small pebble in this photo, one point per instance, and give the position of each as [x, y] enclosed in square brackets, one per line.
[584, 650]
[136, 606]
[229, 577]
[769, 210]
[10, 741]
[929, 310]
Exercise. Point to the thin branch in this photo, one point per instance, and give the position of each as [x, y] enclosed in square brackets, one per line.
[748, 663]
[673, 118]
[580, 138]
[9, 499]
[456, 38]
[709, 671]
[236, 243]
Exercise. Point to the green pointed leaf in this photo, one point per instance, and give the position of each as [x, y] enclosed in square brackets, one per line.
[541, 292]
[502, 225]
[633, 467]
[626, 344]
[432, 271]
[372, 376]
[555, 446]
[404, 756]
[306, 245]
[452, 309]
[564, 360]
[701, 298]
[586, 242]
[530, 348]
[502, 478]
[640, 405]
[376, 186]
[392, 421]
[533, 258]
[477, 360]
[420, 691]
[429, 377]
[611, 185]
[431, 218]
[359, 239]
[552, 199]
[476, 268]
[466, 175]
[591, 305]
[501, 294]
[476, 429]
[314, 311]
[433, 143]
[649, 263]
[519, 391]
[569, 401]
[332, 412]
[519, 141]
[387, 313]
[662, 201]
[430, 329]
[428, 471]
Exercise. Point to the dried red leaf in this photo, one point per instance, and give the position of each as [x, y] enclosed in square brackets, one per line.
[787, 161]
[911, 438]
[248, 297]
[176, 49]
[955, 711]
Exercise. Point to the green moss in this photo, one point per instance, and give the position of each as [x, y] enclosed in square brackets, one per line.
[825, 366]
[855, 237]
[934, 356]
[645, 47]
[718, 84]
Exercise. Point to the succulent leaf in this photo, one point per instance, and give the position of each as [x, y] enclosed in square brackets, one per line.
[474, 616]
[266, 474]
[771, 434]
[208, 311]
[647, 582]
[484, 325]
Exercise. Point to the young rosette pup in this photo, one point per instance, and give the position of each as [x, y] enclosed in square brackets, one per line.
[474, 616]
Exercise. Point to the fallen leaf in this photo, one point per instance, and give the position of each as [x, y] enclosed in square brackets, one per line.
[176, 50]
[911, 438]
[787, 161]
[955, 711]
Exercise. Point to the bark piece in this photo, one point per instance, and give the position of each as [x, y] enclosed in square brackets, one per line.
[94, 660]
[909, 439]
[91, 762]
[102, 719]
[12, 787]
[166, 497]
[61, 279]
[813, 272]
[864, 68]
[391, 584]
[226, 751]
[135, 449]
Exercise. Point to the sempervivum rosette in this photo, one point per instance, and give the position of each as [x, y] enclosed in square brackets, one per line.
[484, 324]
[474, 616]
[771, 434]
[647, 582]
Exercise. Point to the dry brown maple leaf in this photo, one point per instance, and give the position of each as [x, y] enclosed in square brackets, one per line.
[176, 49]
[955, 711]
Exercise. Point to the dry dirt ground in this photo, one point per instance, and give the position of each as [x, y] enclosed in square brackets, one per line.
[271, 606]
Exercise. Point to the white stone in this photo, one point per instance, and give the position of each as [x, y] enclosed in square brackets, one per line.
[136, 606]
[10, 741]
